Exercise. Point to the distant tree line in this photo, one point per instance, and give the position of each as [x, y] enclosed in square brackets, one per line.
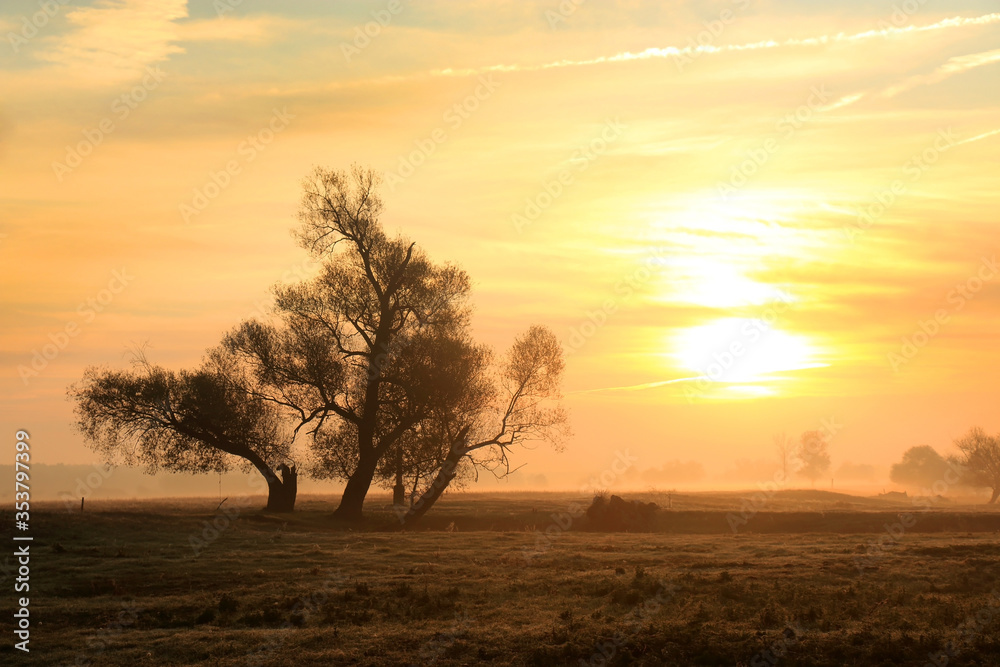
[807, 457]
[371, 363]
[975, 464]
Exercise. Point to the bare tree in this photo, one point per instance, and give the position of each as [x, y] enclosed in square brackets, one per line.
[374, 355]
[785, 449]
[813, 453]
[979, 455]
[514, 403]
[372, 360]
[191, 421]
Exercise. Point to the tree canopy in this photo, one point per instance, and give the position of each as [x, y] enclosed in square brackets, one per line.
[979, 455]
[813, 455]
[371, 362]
[187, 421]
[920, 466]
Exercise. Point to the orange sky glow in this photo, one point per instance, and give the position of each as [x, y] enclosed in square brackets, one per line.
[741, 217]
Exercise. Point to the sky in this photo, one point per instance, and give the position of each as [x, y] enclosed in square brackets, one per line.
[742, 217]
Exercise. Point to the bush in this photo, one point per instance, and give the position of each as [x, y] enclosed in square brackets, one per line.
[616, 514]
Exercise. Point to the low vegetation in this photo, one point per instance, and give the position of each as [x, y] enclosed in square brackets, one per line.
[182, 583]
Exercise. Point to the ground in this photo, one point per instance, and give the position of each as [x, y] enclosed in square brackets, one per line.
[807, 579]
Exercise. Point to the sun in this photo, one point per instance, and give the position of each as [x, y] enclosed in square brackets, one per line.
[716, 284]
[725, 248]
[741, 351]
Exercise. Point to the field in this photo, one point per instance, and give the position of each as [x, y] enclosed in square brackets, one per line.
[504, 579]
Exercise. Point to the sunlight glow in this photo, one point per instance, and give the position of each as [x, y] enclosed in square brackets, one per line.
[724, 241]
[741, 350]
[713, 284]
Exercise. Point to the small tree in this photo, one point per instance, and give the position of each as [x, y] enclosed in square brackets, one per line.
[814, 456]
[191, 421]
[508, 405]
[920, 466]
[979, 455]
[784, 447]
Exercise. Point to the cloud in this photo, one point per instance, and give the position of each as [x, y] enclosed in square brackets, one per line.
[978, 137]
[236, 29]
[637, 387]
[844, 101]
[678, 52]
[115, 40]
[953, 66]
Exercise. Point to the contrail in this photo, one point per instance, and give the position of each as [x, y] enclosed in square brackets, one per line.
[637, 387]
[673, 51]
[984, 135]
[760, 378]
[953, 66]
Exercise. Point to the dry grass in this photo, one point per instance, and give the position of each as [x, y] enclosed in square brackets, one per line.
[124, 587]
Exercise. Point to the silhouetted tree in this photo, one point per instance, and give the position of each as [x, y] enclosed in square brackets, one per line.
[335, 355]
[920, 466]
[814, 456]
[498, 407]
[979, 455]
[191, 421]
[374, 354]
[453, 381]
[784, 447]
[432, 375]
[372, 357]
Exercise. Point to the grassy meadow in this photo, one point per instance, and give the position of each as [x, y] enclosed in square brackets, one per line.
[504, 579]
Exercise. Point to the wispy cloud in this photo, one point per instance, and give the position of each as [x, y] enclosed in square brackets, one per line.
[640, 387]
[953, 66]
[117, 39]
[674, 51]
[979, 137]
[847, 100]
[237, 29]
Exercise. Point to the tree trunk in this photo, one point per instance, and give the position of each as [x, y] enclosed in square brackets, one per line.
[353, 500]
[441, 481]
[399, 491]
[996, 494]
[281, 493]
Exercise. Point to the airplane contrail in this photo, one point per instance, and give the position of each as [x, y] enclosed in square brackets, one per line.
[953, 66]
[661, 383]
[674, 51]
[984, 135]
[637, 387]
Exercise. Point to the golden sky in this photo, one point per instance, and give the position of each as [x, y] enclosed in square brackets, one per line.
[742, 217]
